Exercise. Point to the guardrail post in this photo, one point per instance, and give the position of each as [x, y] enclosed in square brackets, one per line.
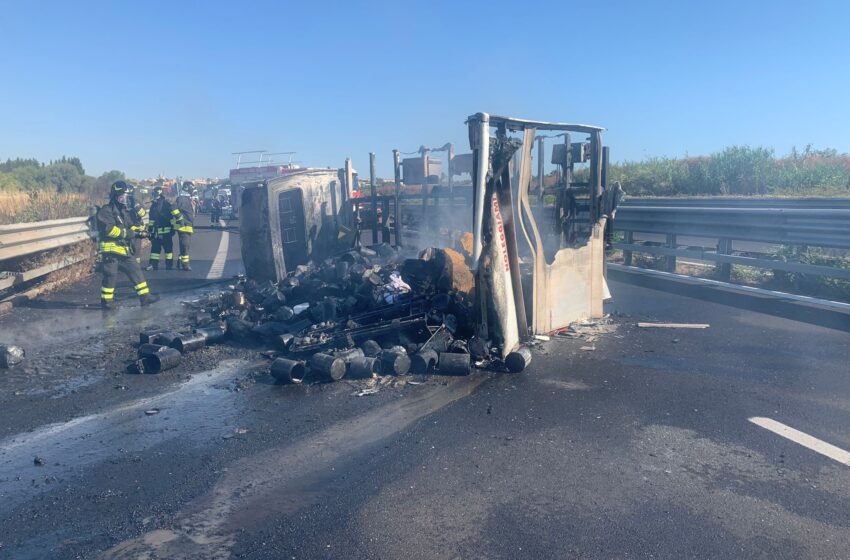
[724, 269]
[627, 255]
[671, 259]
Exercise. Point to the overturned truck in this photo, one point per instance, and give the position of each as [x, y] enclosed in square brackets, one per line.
[531, 262]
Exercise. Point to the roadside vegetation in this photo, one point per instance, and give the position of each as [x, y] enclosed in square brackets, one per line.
[33, 191]
[738, 171]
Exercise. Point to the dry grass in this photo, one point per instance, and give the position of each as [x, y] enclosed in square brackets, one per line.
[17, 207]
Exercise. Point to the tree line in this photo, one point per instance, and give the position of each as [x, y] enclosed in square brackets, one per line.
[738, 170]
[64, 175]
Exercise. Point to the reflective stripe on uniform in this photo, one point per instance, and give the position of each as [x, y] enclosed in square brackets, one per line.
[184, 258]
[185, 229]
[141, 289]
[114, 232]
[108, 290]
[107, 293]
[169, 256]
[109, 247]
[154, 256]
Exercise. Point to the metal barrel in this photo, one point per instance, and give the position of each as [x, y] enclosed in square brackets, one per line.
[394, 362]
[518, 360]
[454, 364]
[150, 349]
[371, 348]
[362, 368]
[166, 338]
[424, 361]
[188, 342]
[287, 371]
[161, 361]
[327, 367]
[350, 354]
[148, 333]
[212, 334]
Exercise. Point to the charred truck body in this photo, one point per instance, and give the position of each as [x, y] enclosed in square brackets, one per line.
[537, 247]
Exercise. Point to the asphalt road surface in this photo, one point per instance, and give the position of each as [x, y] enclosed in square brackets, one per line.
[648, 443]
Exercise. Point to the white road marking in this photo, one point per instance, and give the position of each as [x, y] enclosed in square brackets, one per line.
[217, 267]
[813, 443]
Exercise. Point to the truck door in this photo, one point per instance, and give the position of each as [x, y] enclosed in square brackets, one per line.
[293, 233]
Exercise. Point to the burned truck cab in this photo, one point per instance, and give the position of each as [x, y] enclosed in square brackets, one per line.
[289, 220]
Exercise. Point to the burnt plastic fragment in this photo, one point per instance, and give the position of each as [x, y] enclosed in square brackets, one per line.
[11, 355]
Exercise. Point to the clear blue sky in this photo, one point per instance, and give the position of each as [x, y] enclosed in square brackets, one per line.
[175, 87]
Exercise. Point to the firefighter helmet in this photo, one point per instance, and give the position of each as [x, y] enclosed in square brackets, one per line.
[119, 188]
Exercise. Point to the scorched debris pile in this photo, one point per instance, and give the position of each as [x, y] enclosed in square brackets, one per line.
[365, 312]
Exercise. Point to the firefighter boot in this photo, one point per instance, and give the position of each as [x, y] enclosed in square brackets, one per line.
[147, 299]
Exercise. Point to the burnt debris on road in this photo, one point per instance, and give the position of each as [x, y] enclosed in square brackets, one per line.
[366, 312]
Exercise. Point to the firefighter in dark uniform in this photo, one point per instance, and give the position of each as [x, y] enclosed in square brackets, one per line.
[139, 219]
[183, 219]
[215, 211]
[162, 234]
[115, 236]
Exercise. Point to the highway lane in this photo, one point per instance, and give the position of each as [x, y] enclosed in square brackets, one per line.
[644, 447]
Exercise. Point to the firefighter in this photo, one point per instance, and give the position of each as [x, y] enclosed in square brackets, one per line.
[114, 223]
[183, 219]
[215, 211]
[139, 221]
[162, 233]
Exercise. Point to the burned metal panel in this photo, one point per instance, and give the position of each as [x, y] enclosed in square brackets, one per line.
[316, 230]
[572, 287]
[421, 170]
[295, 208]
[255, 233]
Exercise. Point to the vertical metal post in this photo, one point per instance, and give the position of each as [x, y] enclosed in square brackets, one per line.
[541, 154]
[376, 225]
[595, 174]
[345, 195]
[349, 177]
[671, 259]
[627, 255]
[605, 155]
[334, 207]
[480, 186]
[397, 207]
[424, 190]
[724, 269]
[451, 157]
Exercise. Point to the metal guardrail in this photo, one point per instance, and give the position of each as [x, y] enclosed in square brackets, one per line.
[827, 227]
[738, 202]
[31, 238]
